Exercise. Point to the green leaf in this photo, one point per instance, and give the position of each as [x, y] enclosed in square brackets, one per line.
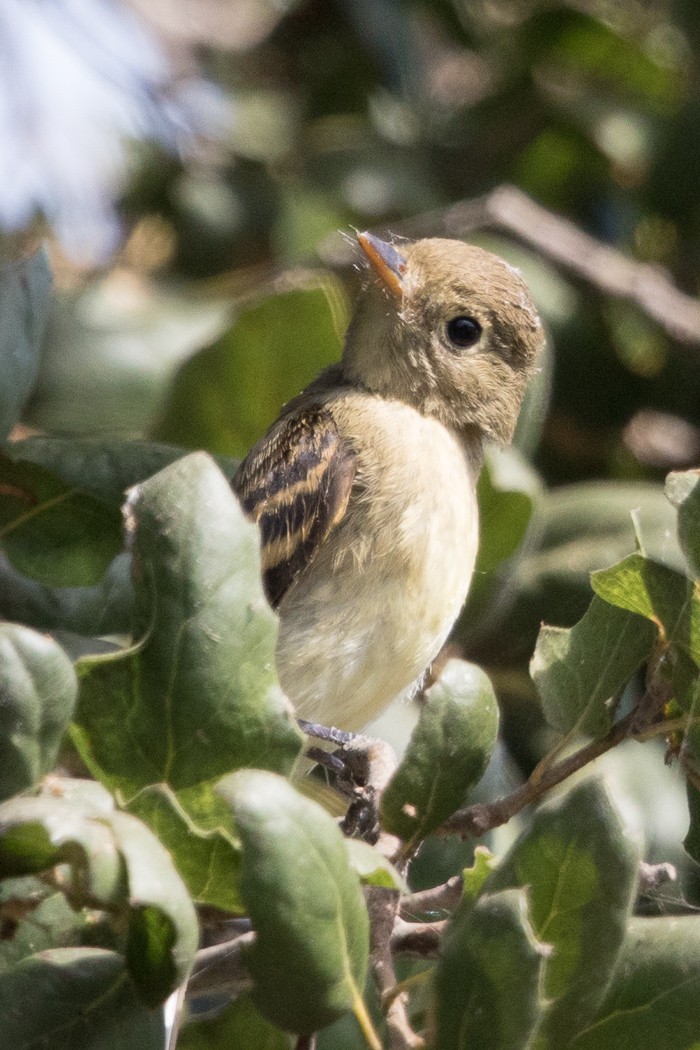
[683, 490]
[75, 999]
[309, 959]
[582, 528]
[163, 932]
[578, 670]
[208, 860]
[486, 991]
[654, 1000]
[447, 754]
[38, 690]
[372, 868]
[115, 863]
[199, 698]
[25, 290]
[53, 532]
[105, 608]
[226, 396]
[658, 593]
[38, 833]
[475, 877]
[579, 864]
[104, 468]
[44, 920]
[508, 491]
[111, 348]
[238, 1025]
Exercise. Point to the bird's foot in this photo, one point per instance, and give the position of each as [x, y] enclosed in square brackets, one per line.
[361, 767]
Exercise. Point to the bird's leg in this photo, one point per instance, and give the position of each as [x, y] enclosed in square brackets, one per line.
[328, 733]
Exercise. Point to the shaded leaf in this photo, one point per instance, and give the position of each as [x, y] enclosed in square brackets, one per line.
[75, 999]
[53, 532]
[691, 746]
[38, 690]
[115, 863]
[447, 754]
[163, 932]
[44, 920]
[653, 1002]
[508, 492]
[25, 289]
[486, 990]
[683, 490]
[91, 379]
[578, 670]
[105, 608]
[208, 859]
[226, 396]
[104, 468]
[38, 833]
[580, 866]
[309, 959]
[658, 593]
[238, 1025]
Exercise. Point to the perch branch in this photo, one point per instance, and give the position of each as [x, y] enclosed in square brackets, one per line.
[382, 905]
[476, 820]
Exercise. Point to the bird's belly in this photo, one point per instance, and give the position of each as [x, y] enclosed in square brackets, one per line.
[355, 635]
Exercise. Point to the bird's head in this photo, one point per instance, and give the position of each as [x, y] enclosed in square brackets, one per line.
[447, 327]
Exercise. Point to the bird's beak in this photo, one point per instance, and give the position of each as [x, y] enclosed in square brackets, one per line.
[387, 263]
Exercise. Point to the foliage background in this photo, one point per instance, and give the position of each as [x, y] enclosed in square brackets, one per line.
[192, 168]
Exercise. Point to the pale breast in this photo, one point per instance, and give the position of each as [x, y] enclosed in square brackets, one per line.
[363, 621]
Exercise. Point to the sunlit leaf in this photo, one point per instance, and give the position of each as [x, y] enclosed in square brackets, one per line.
[446, 755]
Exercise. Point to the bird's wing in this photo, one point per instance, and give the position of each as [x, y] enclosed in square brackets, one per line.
[295, 484]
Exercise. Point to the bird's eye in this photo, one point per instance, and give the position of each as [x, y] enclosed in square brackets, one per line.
[463, 332]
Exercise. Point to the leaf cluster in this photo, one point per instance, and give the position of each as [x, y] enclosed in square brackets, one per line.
[146, 667]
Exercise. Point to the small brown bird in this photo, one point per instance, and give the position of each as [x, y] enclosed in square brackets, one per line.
[364, 488]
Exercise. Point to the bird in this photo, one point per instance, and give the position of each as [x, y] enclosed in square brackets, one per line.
[364, 489]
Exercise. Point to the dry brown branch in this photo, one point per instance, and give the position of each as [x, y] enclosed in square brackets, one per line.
[417, 938]
[382, 905]
[476, 820]
[508, 209]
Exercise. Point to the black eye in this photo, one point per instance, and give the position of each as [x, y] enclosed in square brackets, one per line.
[463, 332]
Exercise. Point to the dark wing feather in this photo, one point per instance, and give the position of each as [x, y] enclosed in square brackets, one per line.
[295, 484]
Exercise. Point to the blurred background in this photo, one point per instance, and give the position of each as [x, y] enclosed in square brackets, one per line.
[196, 168]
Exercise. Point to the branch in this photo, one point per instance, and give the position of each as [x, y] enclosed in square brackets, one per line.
[476, 820]
[417, 938]
[508, 209]
[438, 898]
[382, 905]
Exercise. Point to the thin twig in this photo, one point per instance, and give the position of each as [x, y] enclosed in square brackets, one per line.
[476, 820]
[221, 967]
